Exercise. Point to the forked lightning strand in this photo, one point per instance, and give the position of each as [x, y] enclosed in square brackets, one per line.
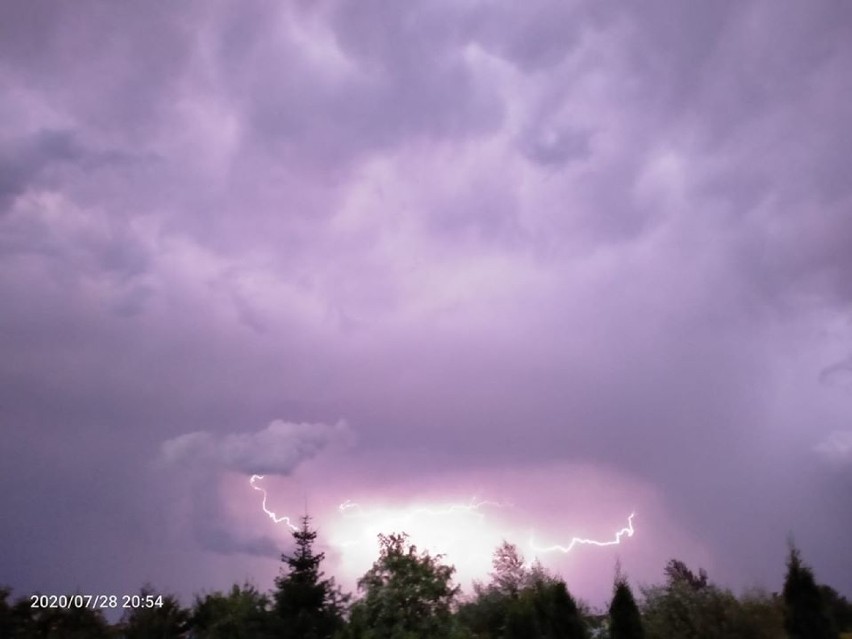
[271, 514]
[350, 508]
[579, 541]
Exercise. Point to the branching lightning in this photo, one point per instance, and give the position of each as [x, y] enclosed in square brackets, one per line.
[268, 512]
[579, 541]
[380, 518]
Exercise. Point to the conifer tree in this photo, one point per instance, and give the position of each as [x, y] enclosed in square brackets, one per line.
[307, 605]
[562, 613]
[625, 621]
[806, 614]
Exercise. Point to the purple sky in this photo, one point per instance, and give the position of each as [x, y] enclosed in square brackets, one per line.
[579, 258]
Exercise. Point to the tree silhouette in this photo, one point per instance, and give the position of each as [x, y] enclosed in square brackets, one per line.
[407, 594]
[690, 607]
[242, 613]
[509, 574]
[521, 621]
[167, 621]
[677, 573]
[806, 614]
[624, 619]
[839, 607]
[307, 605]
[559, 613]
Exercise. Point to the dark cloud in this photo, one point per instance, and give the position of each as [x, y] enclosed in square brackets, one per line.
[22, 161]
[195, 463]
[486, 235]
[277, 449]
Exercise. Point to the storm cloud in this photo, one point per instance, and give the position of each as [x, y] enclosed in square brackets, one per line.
[492, 238]
[277, 449]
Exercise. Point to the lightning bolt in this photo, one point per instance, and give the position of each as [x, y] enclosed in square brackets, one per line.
[268, 512]
[579, 541]
[350, 509]
[348, 505]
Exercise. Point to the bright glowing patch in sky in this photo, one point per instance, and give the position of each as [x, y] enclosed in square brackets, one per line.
[465, 532]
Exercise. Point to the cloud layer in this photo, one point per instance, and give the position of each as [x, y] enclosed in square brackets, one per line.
[489, 237]
[277, 449]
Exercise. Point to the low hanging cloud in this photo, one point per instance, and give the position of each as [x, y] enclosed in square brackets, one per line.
[198, 460]
[276, 450]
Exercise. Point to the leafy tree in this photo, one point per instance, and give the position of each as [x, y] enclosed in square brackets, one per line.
[677, 573]
[485, 614]
[543, 609]
[19, 618]
[558, 613]
[492, 612]
[761, 615]
[625, 621]
[496, 610]
[167, 621]
[21, 621]
[7, 617]
[839, 607]
[407, 594]
[522, 601]
[307, 605]
[510, 574]
[242, 613]
[690, 607]
[521, 621]
[71, 623]
[806, 613]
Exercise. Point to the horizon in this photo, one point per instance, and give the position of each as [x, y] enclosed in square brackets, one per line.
[581, 261]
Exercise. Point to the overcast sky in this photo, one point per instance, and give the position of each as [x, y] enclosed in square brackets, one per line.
[578, 259]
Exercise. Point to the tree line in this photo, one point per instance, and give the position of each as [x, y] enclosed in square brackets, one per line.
[410, 594]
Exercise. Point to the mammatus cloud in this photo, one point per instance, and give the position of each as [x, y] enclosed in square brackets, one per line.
[275, 450]
[491, 234]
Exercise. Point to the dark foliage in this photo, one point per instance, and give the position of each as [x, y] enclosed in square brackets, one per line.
[242, 613]
[806, 612]
[167, 621]
[625, 622]
[306, 604]
[409, 594]
[21, 621]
